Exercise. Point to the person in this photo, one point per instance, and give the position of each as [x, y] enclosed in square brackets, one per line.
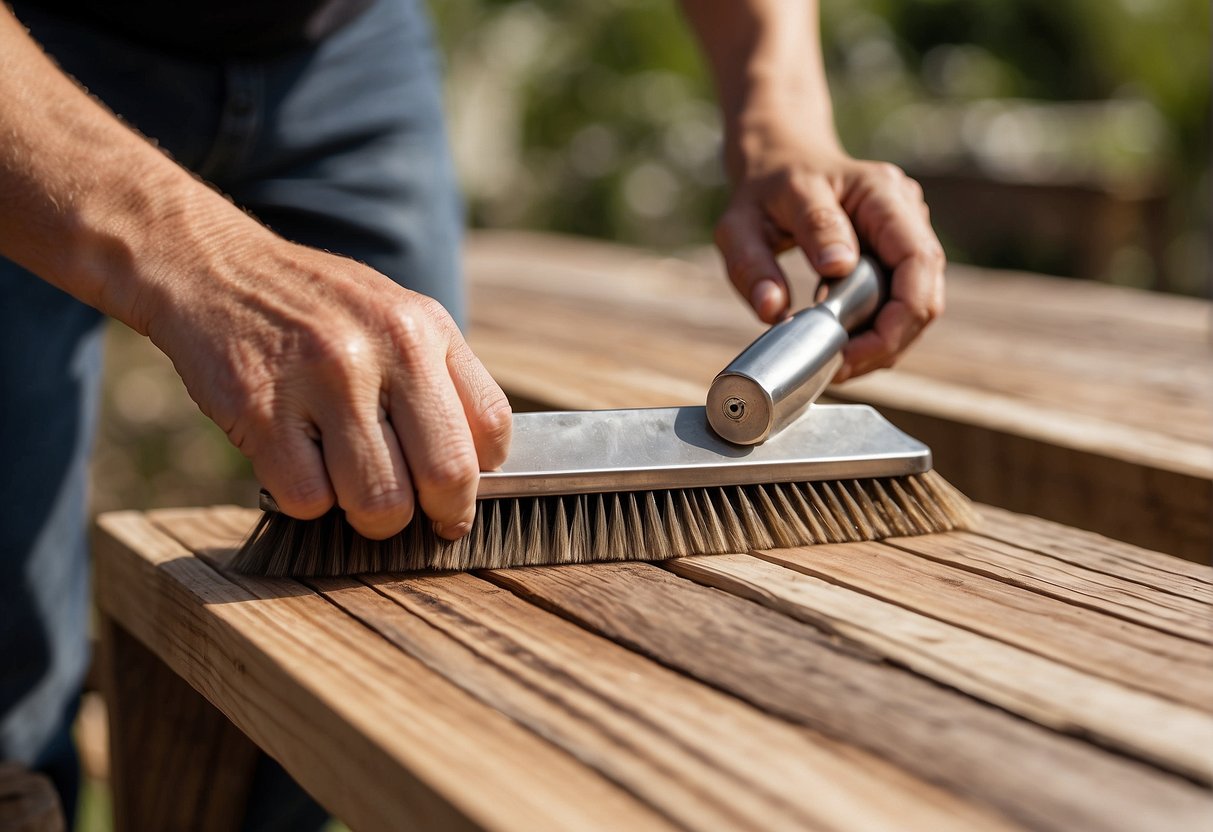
[263, 188]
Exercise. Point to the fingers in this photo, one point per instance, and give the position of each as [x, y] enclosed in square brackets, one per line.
[750, 262]
[361, 452]
[291, 468]
[484, 405]
[430, 422]
[809, 210]
[890, 214]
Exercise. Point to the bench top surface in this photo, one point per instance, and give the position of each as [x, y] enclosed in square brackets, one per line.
[1025, 675]
[576, 323]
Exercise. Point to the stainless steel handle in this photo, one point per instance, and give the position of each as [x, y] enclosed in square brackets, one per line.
[775, 378]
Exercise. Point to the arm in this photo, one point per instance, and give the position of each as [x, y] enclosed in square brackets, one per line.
[338, 384]
[794, 185]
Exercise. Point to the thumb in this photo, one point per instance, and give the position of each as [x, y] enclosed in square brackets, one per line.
[751, 263]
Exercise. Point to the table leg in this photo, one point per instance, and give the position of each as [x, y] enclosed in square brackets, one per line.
[176, 762]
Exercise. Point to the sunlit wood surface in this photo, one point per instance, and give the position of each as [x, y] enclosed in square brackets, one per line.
[1023, 676]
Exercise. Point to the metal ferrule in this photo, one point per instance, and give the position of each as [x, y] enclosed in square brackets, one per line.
[775, 378]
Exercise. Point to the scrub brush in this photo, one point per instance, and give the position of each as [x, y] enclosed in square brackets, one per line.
[759, 467]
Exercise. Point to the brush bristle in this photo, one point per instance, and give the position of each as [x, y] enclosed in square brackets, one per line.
[647, 525]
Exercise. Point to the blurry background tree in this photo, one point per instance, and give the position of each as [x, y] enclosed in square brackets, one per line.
[1063, 136]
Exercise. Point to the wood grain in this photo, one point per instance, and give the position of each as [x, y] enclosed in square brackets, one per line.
[1076, 585]
[171, 751]
[704, 759]
[811, 678]
[1087, 404]
[1124, 652]
[349, 725]
[1051, 693]
[1100, 553]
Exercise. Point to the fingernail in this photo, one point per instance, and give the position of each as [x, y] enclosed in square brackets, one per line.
[764, 297]
[452, 531]
[833, 254]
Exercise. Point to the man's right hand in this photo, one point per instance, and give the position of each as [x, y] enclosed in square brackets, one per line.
[338, 384]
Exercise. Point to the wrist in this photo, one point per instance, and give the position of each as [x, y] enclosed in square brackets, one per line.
[777, 120]
[136, 252]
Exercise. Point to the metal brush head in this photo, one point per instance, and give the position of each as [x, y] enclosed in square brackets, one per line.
[643, 449]
[647, 484]
[595, 451]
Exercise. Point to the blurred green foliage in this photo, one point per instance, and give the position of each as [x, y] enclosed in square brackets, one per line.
[597, 118]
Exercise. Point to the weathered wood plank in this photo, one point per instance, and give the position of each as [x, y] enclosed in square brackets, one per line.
[1095, 551]
[735, 767]
[1032, 775]
[1143, 658]
[176, 761]
[703, 758]
[1073, 584]
[1021, 389]
[1053, 694]
[337, 704]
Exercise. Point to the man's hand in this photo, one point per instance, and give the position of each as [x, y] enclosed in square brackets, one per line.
[793, 194]
[338, 384]
[794, 186]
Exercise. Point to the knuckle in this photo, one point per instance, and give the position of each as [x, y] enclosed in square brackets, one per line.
[497, 422]
[452, 473]
[822, 219]
[935, 257]
[921, 315]
[377, 503]
[799, 186]
[889, 172]
[435, 314]
[335, 345]
[407, 328]
[338, 355]
[257, 419]
[306, 497]
[883, 213]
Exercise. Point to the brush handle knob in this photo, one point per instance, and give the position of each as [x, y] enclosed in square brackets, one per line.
[779, 375]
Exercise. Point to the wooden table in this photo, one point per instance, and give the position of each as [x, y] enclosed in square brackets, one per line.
[1090, 405]
[1024, 676]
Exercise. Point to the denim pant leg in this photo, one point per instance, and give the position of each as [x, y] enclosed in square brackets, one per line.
[50, 366]
[344, 148]
[340, 147]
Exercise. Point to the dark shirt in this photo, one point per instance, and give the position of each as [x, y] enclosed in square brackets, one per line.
[216, 29]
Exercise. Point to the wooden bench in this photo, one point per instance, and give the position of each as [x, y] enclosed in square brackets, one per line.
[1028, 676]
[1087, 404]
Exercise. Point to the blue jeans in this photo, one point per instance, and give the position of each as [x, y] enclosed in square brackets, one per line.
[340, 146]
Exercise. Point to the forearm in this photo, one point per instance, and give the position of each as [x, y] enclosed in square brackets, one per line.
[85, 202]
[766, 61]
